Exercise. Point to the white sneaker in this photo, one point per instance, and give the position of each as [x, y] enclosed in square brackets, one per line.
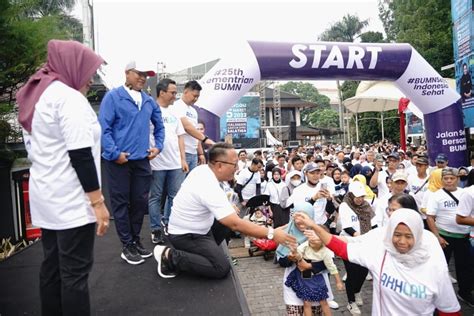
[344, 278]
[358, 299]
[368, 277]
[353, 309]
[453, 280]
[333, 304]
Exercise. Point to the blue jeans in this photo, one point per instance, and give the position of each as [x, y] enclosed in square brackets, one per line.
[165, 184]
[192, 160]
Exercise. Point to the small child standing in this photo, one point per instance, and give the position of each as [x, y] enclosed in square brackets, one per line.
[308, 286]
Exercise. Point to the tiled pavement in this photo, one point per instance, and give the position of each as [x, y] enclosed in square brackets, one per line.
[262, 283]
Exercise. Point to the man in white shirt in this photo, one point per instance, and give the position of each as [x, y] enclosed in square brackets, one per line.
[185, 111]
[379, 178]
[243, 162]
[418, 182]
[201, 218]
[248, 181]
[170, 166]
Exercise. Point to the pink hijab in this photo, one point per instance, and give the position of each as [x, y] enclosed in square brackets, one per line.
[69, 62]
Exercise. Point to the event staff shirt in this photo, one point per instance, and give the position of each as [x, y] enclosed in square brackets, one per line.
[181, 109]
[63, 121]
[250, 190]
[304, 193]
[199, 200]
[170, 157]
[444, 208]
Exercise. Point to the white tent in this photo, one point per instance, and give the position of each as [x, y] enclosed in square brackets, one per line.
[380, 96]
[271, 140]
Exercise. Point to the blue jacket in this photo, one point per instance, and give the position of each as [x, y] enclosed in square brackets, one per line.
[125, 128]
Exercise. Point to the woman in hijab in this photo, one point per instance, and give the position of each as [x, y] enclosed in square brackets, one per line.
[294, 305]
[355, 215]
[369, 194]
[402, 266]
[274, 187]
[62, 137]
[434, 184]
[292, 180]
[355, 170]
[462, 174]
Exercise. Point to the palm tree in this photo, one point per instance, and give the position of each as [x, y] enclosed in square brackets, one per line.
[346, 30]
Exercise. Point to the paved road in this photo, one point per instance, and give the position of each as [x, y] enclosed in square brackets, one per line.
[262, 283]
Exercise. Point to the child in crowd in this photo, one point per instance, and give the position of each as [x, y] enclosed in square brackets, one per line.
[308, 286]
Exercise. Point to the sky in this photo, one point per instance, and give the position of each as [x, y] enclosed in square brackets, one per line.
[182, 34]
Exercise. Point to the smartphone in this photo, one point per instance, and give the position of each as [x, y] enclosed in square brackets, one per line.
[324, 186]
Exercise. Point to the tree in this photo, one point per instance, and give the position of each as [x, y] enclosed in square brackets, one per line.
[306, 91]
[372, 37]
[425, 24]
[324, 118]
[346, 30]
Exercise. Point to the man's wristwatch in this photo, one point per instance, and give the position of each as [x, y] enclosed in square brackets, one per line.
[270, 233]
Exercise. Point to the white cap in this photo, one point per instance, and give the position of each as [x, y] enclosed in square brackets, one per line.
[357, 188]
[140, 67]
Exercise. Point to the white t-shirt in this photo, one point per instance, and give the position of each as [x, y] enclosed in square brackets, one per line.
[444, 208]
[170, 157]
[242, 165]
[466, 204]
[63, 121]
[381, 216]
[135, 95]
[181, 109]
[414, 183]
[303, 193]
[250, 190]
[196, 205]
[274, 190]
[349, 219]
[399, 290]
[382, 182]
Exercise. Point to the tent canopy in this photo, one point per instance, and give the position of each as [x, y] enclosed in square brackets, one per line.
[381, 96]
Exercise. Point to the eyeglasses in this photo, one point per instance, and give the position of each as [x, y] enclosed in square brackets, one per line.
[228, 163]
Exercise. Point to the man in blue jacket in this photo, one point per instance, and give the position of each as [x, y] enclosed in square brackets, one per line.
[125, 115]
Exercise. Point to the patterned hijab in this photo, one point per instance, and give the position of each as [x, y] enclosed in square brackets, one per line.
[69, 62]
[364, 212]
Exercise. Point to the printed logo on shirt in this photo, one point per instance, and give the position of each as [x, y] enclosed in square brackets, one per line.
[169, 120]
[402, 287]
[450, 204]
[354, 218]
[191, 115]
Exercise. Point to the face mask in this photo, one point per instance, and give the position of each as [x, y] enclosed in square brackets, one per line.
[463, 178]
[295, 182]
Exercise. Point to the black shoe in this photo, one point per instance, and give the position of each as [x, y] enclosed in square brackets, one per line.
[163, 268]
[130, 254]
[165, 229]
[157, 237]
[141, 250]
[466, 298]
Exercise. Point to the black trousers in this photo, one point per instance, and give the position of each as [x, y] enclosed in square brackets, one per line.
[461, 247]
[68, 257]
[201, 255]
[355, 279]
[129, 186]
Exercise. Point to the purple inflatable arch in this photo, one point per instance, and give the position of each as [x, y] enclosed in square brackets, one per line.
[232, 77]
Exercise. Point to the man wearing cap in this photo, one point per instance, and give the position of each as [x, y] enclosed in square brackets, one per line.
[125, 115]
[379, 178]
[193, 139]
[398, 184]
[441, 161]
[454, 238]
[418, 182]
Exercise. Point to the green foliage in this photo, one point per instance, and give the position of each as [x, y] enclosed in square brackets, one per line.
[346, 30]
[426, 25]
[306, 91]
[372, 37]
[324, 118]
[349, 88]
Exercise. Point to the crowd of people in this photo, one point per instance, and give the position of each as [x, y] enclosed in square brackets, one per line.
[397, 220]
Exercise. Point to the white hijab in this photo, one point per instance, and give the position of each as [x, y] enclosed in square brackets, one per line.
[419, 253]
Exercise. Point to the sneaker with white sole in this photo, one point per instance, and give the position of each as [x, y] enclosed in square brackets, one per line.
[353, 308]
[162, 268]
[358, 299]
[131, 255]
[333, 304]
[142, 251]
